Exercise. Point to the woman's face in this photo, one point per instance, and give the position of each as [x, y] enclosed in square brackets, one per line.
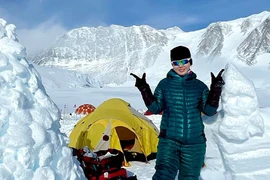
[181, 68]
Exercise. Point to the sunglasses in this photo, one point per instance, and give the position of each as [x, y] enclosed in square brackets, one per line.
[181, 62]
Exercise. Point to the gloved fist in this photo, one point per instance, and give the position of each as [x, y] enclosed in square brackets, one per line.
[217, 82]
[140, 82]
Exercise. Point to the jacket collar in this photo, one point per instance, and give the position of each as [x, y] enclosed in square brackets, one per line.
[189, 76]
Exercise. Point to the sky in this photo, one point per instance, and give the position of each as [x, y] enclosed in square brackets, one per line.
[43, 20]
[34, 140]
[188, 15]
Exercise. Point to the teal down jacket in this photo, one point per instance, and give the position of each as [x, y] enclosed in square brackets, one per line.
[182, 99]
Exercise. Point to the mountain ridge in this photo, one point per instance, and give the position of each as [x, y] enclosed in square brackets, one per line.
[103, 51]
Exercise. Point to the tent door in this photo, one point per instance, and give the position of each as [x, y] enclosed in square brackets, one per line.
[126, 137]
[130, 145]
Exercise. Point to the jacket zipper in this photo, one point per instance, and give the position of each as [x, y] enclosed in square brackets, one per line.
[185, 115]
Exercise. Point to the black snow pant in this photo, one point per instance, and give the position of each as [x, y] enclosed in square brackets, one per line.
[173, 156]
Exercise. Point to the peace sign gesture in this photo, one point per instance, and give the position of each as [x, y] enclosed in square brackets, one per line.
[140, 82]
[217, 81]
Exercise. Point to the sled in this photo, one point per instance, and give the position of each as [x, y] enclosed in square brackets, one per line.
[112, 175]
[102, 165]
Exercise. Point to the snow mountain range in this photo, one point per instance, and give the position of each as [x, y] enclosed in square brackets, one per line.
[103, 51]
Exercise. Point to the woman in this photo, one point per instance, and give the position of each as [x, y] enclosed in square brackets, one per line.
[182, 98]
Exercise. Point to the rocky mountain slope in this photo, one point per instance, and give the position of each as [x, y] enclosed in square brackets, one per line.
[111, 53]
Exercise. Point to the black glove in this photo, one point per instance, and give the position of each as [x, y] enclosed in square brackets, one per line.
[140, 82]
[215, 89]
[144, 88]
[217, 81]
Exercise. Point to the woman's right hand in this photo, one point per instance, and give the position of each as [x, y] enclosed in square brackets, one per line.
[140, 82]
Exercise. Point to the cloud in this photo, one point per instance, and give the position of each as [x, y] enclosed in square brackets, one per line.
[3, 13]
[170, 20]
[35, 37]
[41, 36]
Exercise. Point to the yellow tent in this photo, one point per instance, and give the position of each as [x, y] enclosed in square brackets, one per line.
[115, 124]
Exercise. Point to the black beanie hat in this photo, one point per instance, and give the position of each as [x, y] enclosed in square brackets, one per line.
[180, 52]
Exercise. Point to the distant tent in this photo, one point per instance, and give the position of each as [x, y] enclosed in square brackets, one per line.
[85, 109]
[116, 125]
[147, 113]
